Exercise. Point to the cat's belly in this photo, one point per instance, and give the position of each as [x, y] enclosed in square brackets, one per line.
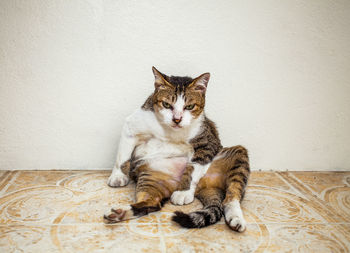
[168, 157]
[172, 166]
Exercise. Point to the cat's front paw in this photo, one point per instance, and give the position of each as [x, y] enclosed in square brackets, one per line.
[182, 197]
[117, 180]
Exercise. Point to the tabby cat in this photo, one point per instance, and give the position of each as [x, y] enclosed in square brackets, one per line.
[172, 150]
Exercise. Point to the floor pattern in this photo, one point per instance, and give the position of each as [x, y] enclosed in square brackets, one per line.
[61, 211]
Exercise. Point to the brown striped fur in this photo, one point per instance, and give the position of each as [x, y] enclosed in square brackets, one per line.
[206, 144]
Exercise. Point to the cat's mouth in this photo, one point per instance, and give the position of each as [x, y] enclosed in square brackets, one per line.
[176, 126]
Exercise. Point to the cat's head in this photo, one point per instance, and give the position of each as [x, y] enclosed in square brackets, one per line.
[178, 101]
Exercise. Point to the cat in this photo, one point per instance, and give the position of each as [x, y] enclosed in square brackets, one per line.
[172, 150]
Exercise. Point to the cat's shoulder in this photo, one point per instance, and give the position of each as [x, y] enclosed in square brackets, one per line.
[143, 121]
[208, 134]
[145, 112]
[210, 126]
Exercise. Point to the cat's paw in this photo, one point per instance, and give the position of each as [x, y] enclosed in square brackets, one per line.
[234, 217]
[117, 214]
[117, 180]
[236, 223]
[182, 197]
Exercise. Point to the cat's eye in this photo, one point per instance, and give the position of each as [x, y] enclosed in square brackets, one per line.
[189, 107]
[166, 105]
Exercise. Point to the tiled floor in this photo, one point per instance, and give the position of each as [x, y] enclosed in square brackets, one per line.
[61, 211]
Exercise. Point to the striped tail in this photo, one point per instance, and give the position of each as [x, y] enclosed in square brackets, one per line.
[199, 219]
[210, 214]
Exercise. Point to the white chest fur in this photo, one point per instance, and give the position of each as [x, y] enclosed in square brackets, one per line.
[162, 148]
[155, 148]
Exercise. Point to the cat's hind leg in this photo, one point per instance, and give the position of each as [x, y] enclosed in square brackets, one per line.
[145, 204]
[236, 181]
[152, 188]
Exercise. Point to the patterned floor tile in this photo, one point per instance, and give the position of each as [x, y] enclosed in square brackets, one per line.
[27, 179]
[78, 238]
[61, 211]
[319, 182]
[271, 180]
[333, 191]
[329, 193]
[219, 238]
[306, 238]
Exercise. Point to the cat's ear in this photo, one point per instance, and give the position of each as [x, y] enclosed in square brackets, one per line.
[200, 83]
[160, 82]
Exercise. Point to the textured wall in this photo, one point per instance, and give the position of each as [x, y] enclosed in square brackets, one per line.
[71, 71]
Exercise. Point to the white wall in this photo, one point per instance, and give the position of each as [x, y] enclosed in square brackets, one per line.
[71, 71]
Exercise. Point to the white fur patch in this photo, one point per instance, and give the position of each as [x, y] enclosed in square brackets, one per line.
[198, 172]
[234, 216]
[179, 107]
[195, 126]
[117, 178]
[166, 116]
[155, 148]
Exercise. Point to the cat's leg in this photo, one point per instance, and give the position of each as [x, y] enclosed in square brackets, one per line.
[152, 188]
[145, 203]
[127, 142]
[236, 181]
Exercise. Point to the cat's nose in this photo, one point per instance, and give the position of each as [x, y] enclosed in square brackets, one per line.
[177, 121]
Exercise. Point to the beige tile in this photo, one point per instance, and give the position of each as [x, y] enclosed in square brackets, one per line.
[78, 238]
[217, 238]
[5, 176]
[103, 238]
[272, 205]
[319, 182]
[338, 198]
[329, 192]
[306, 238]
[34, 205]
[85, 182]
[333, 188]
[18, 238]
[268, 179]
[27, 179]
[58, 211]
[47, 204]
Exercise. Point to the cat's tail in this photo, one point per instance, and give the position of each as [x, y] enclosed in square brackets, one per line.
[210, 214]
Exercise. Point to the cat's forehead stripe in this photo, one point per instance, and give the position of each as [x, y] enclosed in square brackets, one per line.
[179, 104]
